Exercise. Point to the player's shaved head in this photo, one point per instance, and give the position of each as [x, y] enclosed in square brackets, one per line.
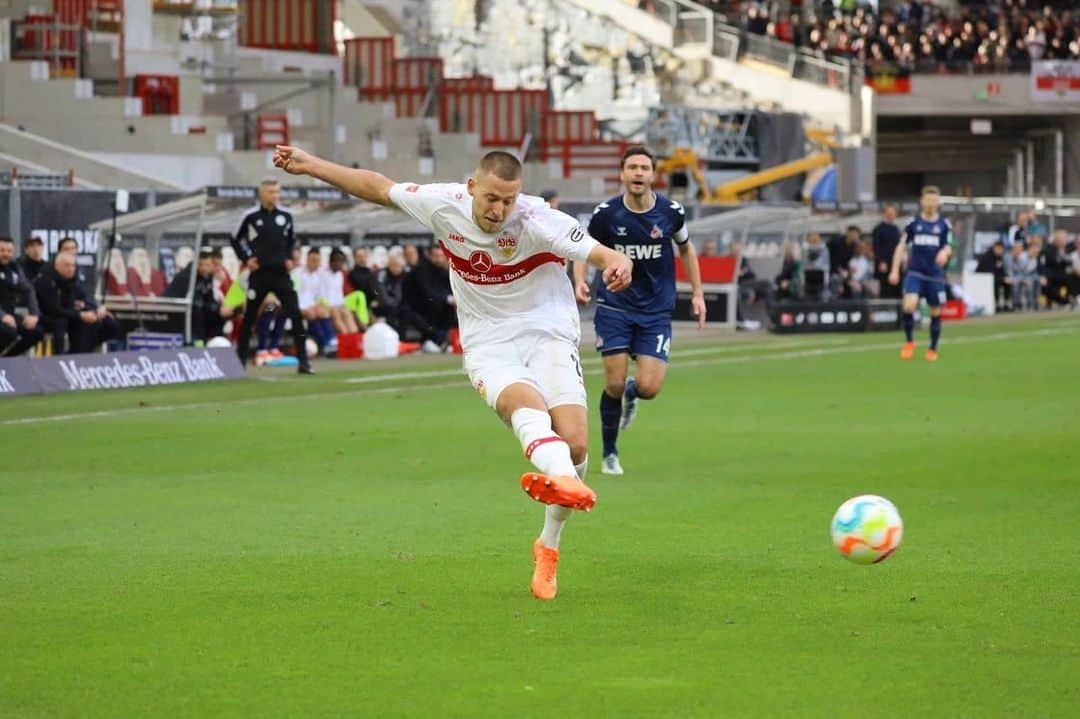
[495, 188]
[500, 164]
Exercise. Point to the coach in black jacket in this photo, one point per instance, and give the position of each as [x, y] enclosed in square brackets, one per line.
[265, 241]
[67, 310]
[18, 332]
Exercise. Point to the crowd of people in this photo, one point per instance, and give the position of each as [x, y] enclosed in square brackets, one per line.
[410, 291]
[50, 300]
[921, 36]
[1031, 273]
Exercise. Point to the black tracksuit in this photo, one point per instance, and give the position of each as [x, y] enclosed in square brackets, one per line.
[62, 300]
[267, 235]
[886, 236]
[16, 291]
[31, 268]
[427, 291]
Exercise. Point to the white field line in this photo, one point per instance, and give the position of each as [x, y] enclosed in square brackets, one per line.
[589, 362]
[738, 359]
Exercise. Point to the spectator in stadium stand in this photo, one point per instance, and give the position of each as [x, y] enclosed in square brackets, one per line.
[1028, 278]
[311, 289]
[708, 249]
[787, 282]
[860, 282]
[19, 313]
[1074, 272]
[886, 236]
[67, 244]
[427, 291]
[1056, 269]
[817, 260]
[551, 197]
[68, 313]
[1016, 233]
[395, 309]
[344, 319]
[1014, 262]
[32, 261]
[841, 250]
[747, 284]
[993, 262]
[412, 257]
[361, 278]
[207, 320]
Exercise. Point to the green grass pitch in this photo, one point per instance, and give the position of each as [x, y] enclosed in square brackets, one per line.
[357, 545]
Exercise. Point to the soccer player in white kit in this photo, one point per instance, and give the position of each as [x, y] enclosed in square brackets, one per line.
[520, 327]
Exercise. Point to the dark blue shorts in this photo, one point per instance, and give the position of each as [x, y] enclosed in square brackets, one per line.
[618, 332]
[932, 290]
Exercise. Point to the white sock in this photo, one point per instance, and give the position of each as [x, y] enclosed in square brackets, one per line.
[554, 519]
[548, 452]
[582, 468]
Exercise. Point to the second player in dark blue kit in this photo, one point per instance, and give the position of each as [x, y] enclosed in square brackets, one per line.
[927, 244]
[636, 323]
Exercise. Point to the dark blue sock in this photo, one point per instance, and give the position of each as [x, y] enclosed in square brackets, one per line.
[935, 332]
[909, 326]
[279, 330]
[631, 389]
[328, 330]
[610, 414]
[263, 328]
[315, 330]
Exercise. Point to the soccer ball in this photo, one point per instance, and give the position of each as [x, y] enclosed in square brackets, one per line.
[867, 529]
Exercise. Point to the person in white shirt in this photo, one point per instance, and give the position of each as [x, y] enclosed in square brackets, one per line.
[344, 319]
[312, 281]
[520, 327]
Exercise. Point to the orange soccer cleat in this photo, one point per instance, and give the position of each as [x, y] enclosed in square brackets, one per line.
[544, 584]
[931, 355]
[563, 491]
[908, 351]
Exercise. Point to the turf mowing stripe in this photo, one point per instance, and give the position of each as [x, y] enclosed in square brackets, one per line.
[889, 343]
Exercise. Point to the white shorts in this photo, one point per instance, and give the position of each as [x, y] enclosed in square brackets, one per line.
[549, 364]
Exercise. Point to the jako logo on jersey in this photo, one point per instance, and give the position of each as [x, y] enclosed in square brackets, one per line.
[507, 245]
[927, 240]
[641, 252]
[656, 233]
[481, 261]
[455, 237]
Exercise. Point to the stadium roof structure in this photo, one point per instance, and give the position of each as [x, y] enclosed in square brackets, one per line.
[212, 216]
[788, 221]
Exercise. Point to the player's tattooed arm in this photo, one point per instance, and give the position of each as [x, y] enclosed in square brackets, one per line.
[365, 184]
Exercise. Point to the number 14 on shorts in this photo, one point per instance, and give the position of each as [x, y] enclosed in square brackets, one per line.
[663, 345]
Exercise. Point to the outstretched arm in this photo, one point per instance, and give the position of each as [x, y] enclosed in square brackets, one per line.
[617, 268]
[897, 258]
[581, 283]
[365, 184]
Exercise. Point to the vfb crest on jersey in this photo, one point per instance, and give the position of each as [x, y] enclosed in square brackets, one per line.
[507, 245]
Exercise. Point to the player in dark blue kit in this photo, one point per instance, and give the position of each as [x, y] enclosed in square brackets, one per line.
[637, 321]
[928, 241]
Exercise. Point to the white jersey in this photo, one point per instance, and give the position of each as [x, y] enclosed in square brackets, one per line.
[510, 282]
[310, 286]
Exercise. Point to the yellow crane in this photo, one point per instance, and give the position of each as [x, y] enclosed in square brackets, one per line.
[686, 160]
